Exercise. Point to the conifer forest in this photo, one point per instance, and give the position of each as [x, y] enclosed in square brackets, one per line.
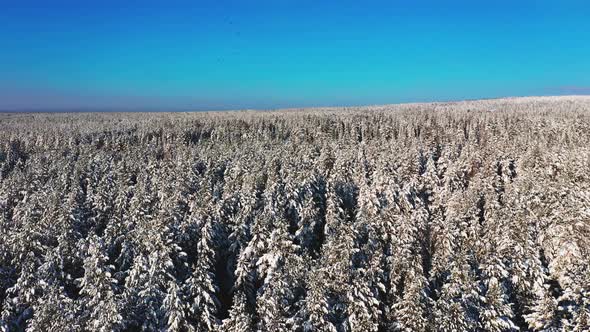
[463, 216]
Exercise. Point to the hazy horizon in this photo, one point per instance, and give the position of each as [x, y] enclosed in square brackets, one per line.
[368, 105]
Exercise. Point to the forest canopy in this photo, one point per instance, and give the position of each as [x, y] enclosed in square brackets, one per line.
[468, 216]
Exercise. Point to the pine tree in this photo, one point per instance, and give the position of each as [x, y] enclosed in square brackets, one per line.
[175, 309]
[277, 303]
[201, 285]
[55, 312]
[459, 299]
[410, 311]
[240, 318]
[98, 290]
[543, 315]
[495, 313]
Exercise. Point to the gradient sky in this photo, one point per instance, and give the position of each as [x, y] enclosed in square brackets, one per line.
[184, 55]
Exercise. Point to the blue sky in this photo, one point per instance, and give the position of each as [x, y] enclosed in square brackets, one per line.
[184, 55]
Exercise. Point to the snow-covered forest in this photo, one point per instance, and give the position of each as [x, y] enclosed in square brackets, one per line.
[470, 216]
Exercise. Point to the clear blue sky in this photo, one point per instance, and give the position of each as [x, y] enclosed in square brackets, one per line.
[282, 53]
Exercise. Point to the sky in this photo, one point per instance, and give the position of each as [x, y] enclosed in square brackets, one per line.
[199, 55]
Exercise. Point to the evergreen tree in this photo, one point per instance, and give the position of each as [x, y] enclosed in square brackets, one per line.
[98, 290]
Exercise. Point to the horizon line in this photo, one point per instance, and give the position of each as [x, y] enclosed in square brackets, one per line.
[197, 110]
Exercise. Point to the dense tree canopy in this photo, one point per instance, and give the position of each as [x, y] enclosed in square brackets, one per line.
[471, 216]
